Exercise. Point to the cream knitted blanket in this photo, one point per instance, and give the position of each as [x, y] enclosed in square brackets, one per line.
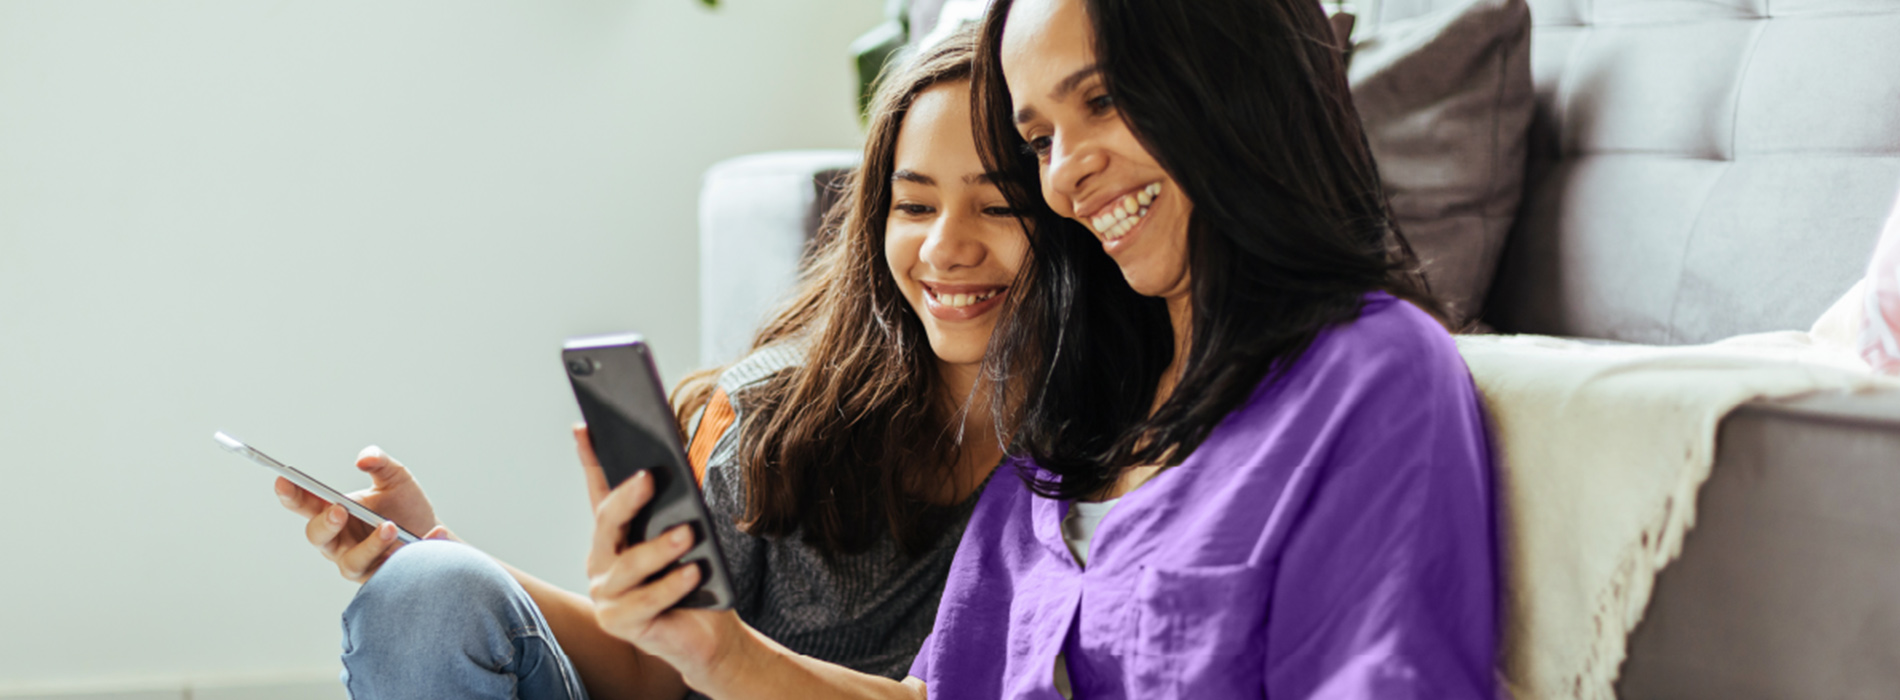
[1602, 450]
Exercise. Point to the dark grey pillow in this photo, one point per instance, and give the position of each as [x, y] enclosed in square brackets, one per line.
[1446, 99]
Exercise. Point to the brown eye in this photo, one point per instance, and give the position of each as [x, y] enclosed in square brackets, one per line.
[1037, 147]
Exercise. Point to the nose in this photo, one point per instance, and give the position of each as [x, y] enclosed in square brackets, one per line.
[953, 243]
[1071, 164]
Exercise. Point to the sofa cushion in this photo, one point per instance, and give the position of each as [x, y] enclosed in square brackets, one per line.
[1446, 99]
[1698, 169]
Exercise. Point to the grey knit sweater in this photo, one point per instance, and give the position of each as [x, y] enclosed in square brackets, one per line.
[868, 611]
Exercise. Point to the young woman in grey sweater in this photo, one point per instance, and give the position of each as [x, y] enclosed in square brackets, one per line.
[841, 458]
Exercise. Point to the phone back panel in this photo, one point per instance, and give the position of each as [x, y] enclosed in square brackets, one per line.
[633, 429]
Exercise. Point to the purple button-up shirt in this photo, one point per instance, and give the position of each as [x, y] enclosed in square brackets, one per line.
[1333, 537]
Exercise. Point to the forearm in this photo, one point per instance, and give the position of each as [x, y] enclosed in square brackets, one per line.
[759, 667]
[611, 668]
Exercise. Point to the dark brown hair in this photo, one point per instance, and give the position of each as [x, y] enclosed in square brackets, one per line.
[1245, 104]
[853, 442]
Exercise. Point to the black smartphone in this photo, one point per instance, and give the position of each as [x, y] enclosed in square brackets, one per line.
[632, 429]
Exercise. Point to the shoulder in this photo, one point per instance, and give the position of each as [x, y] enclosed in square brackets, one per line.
[1393, 348]
[762, 364]
[714, 441]
[1388, 331]
[1392, 358]
[1380, 403]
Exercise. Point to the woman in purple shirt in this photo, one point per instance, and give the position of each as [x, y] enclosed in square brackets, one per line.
[1268, 478]
[1254, 464]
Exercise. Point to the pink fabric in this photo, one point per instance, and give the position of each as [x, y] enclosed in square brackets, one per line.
[1880, 325]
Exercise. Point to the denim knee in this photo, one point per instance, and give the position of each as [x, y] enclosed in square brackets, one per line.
[437, 599]
[441, 619]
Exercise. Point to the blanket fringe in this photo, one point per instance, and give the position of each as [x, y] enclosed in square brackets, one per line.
[1623, 603]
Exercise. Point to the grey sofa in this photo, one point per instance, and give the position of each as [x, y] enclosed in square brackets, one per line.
[1699, 169]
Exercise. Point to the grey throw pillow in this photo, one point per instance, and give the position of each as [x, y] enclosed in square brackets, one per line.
[1446, 99]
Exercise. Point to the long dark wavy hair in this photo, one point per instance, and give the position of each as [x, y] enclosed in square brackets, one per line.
[853, 442]
[1245, 104]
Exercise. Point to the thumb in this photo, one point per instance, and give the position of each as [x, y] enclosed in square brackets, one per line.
[596, 479]
[441, 532]
[384, 471]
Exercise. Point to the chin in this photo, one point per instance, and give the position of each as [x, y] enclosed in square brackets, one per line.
[1144, 285]
[1154, 279]
[957, 353]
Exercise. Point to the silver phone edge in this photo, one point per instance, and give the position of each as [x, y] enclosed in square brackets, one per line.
[311, 484]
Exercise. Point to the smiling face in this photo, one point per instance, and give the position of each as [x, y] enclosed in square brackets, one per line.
[951, 240]
[1092, 167]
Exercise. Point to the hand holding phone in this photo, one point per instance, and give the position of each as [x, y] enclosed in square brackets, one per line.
[631, 431]
[355, 545]
[634, 585]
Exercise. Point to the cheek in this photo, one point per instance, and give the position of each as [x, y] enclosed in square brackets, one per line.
[1175, 211]
[900, 255]
[1012, 251]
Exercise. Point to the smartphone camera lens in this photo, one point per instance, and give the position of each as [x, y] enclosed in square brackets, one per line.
[581, 366]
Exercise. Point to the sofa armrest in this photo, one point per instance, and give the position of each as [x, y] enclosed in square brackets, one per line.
[757, 213]
[1789, 585]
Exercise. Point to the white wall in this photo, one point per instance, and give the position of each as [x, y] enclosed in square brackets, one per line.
[324, 224]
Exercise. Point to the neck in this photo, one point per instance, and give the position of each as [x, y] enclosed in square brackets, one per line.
[1181, 317]
[958, 381]
[968, 408]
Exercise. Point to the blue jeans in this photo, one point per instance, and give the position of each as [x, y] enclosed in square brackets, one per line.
[442, 620]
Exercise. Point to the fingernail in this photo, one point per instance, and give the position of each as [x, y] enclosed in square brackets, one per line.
[281, 496]
[387, 531]
[337, 515]
[681, 535]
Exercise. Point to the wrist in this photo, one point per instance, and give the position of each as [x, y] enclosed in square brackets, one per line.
[738, 660]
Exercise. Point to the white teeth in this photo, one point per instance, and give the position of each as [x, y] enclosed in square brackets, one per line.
[1125, 213]
[958, 301]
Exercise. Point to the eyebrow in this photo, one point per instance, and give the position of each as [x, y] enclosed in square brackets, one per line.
[1063, 88]
[928, 181]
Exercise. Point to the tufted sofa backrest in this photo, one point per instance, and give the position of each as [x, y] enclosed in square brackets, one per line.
[1699, 168]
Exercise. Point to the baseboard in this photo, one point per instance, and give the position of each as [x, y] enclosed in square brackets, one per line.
[304, 689]
[299, 687]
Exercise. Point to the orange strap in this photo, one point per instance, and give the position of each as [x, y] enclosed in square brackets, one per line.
[712, 424]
